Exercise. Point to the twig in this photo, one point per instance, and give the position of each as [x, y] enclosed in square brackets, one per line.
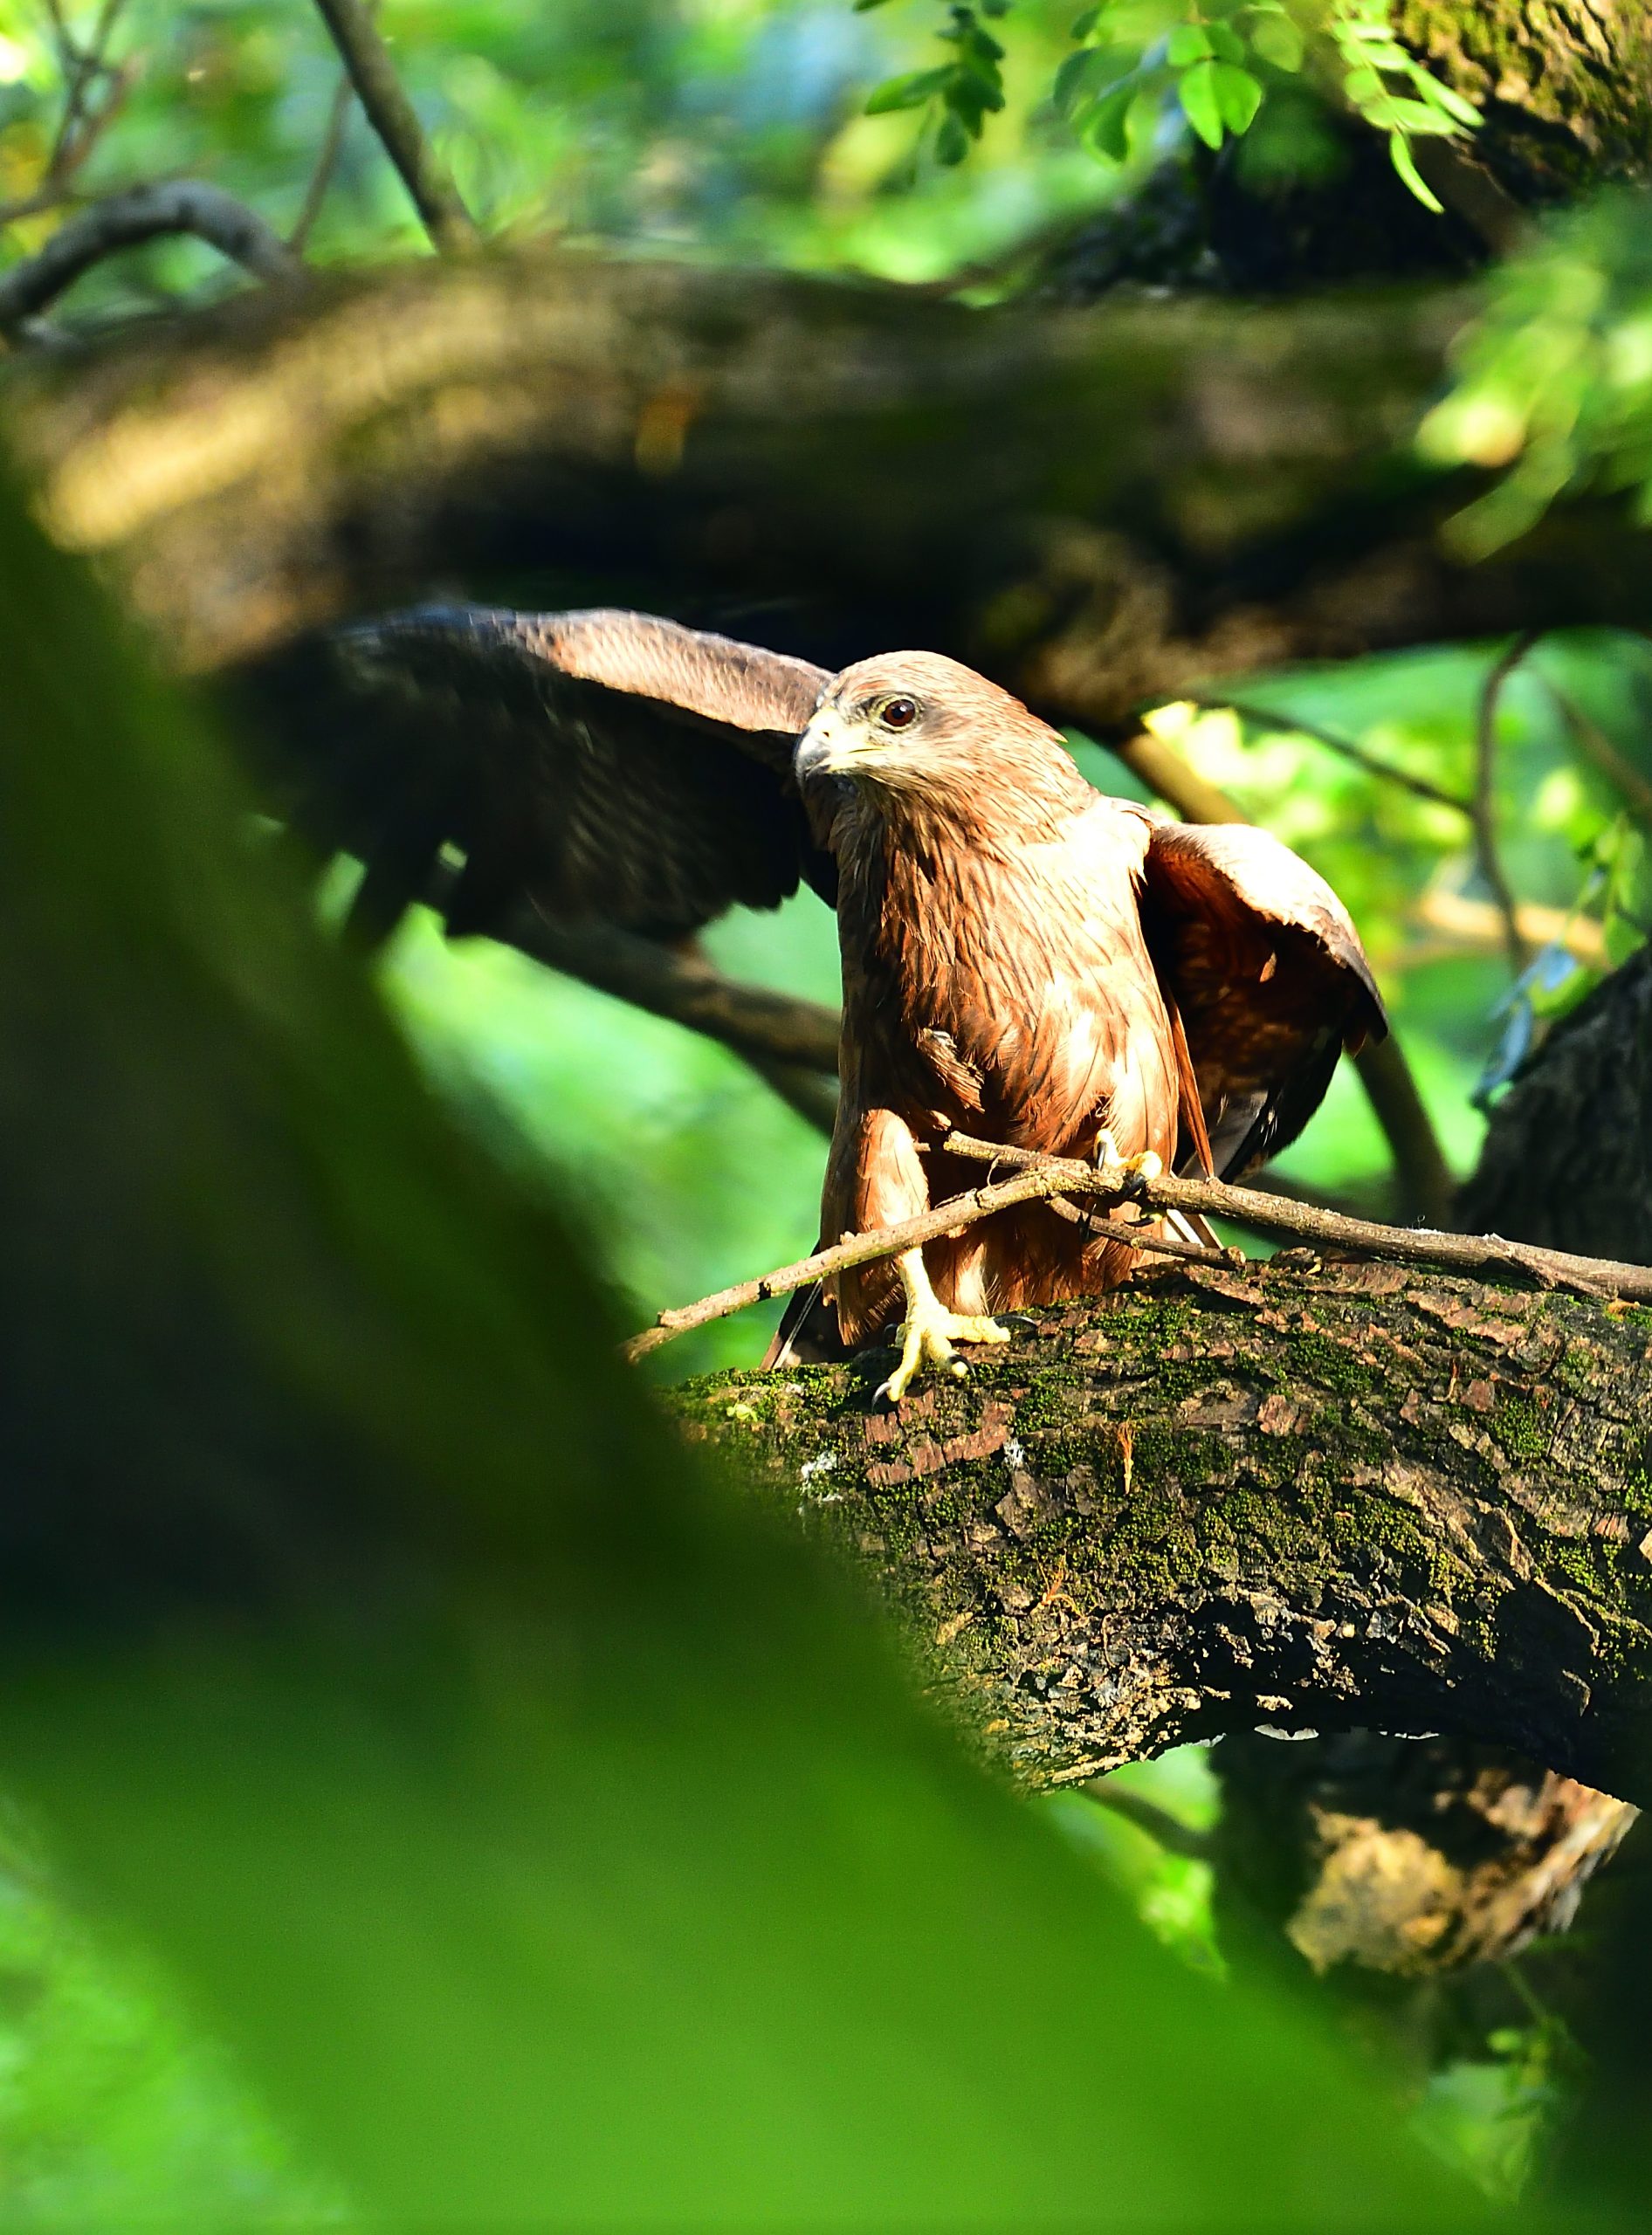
[1040, 1182]
[327, 161]
[392, 116]
[1038, 1177]
[144, 213]
[1349, 748]
[1426, 1185]
[1485, 816]
[1630, 785]
[83, 66]
[1159, 1823]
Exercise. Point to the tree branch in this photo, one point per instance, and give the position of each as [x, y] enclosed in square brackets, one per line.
[143, 213]
[393, 117]
[326, 161]
[1348, 748]
[1314, 1496]
[1485, 810]
[1038, 1178]
[765, 1027]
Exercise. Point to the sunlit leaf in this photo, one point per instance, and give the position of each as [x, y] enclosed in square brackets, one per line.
[1238, 96]
[1201, 103]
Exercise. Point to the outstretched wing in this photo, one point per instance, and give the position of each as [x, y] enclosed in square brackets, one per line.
[1267, 970]
[612, 767]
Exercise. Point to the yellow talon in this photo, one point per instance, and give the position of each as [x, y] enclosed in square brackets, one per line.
[929, 1331]
[1147, 1165]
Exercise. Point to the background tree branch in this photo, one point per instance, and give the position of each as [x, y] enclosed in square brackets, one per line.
[124, 220]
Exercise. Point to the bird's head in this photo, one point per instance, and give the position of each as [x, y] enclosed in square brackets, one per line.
[916, 723]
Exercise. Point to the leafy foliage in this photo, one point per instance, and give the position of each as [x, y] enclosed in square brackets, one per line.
[1553, 386]
[1217, 59]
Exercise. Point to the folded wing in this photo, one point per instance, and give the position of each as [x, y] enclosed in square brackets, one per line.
[1268, 973]
[610, 768]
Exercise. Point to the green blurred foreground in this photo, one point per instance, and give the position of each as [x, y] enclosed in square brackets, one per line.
[548, 1842]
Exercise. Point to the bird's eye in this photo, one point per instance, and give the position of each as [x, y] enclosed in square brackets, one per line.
[897, 714]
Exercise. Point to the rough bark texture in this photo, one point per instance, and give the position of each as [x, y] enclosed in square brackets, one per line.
[1568, 1159]
[1406, 1861]
[1564, 85]
[1098, 507]
[1408, 1857]
[1305, 1496]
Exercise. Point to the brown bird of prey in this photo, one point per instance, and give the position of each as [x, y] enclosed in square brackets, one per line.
[1023, 958]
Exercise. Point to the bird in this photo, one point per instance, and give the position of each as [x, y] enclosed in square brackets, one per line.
[1023, 957]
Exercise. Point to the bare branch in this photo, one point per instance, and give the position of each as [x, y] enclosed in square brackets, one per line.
[393, 117]
[327, 161]
[1426, 1185]
[77, 132]
[145, 213]
[1485, 813]
[765, 1027]
[1039, 1178]
[1349, 748]
[1159, 1823]
[1629, 784]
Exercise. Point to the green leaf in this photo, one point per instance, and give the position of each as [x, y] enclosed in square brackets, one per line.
[1276, 39]
[1454, 102]
[1362, 87]
[1187, 44]
[1238, 96]
[1076, 80]
[1200, 105]
[1225, 43]
[910, 92]
[1404, 163]
[1085, 24]
[1106, 126]
[952, 142]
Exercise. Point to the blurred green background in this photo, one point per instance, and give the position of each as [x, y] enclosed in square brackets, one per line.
[733, 129]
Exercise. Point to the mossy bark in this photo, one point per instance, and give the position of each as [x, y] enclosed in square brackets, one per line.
[1097, 507]
[1307, 1496]
[1565, 87]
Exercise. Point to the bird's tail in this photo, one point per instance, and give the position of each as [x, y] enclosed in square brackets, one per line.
[808, 1334]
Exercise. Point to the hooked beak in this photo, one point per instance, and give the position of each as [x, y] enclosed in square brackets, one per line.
[826, 746]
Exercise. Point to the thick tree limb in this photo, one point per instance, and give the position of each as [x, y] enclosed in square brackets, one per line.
[144, 213]
[1301, 1495]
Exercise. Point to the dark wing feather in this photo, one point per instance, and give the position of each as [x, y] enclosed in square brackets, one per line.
[1267, 969]
[615, 769]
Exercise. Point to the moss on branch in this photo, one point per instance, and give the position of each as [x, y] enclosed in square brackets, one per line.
[1303, 1494]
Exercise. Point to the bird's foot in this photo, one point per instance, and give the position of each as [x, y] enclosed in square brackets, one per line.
[1147, 1165]
[926, 1338]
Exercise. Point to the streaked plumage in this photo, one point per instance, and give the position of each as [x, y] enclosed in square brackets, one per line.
[1023, 958]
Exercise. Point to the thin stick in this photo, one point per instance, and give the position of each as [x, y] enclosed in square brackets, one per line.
[1349, 748]
[1484, 814]
[326, 163]
[392, 116]
[1630, 785]
[1037, 1178]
